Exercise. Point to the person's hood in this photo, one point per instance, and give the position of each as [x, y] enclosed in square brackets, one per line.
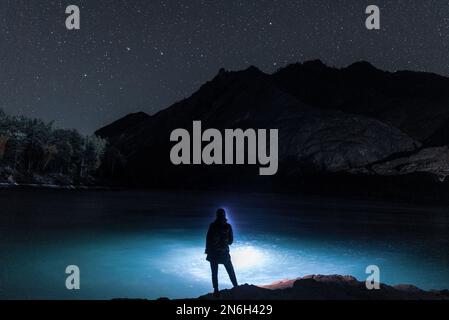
[221, 221]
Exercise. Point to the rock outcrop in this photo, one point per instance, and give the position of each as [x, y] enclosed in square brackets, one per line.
[430, 160]
[322, 287]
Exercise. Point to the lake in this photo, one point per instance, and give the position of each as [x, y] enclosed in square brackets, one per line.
[142, 244]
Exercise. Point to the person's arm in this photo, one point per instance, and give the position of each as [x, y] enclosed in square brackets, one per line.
[231, 235]
[208, 239]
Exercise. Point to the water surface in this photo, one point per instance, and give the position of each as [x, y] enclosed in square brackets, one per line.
[133, 244]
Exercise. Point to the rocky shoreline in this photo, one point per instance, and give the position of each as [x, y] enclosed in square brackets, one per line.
[326, 287]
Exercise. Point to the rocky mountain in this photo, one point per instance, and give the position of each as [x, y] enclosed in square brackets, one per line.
[414, 102]
[322, 287]
[357, 127]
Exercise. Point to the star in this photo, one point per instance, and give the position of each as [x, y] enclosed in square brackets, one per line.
[148, 46]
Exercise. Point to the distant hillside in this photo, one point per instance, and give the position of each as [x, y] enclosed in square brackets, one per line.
[356, 130]
[122, 125]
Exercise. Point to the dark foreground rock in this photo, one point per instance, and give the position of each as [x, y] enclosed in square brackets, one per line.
[333, 287]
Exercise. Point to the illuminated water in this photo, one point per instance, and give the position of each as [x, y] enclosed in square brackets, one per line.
[150, 245]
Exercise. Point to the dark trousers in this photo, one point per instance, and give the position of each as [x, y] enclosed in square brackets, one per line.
[229, 268]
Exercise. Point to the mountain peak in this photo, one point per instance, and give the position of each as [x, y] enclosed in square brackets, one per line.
[317, 63]
[310, 66]
[362, 66]
[252, 69]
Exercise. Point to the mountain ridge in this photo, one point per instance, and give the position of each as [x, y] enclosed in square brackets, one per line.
[330, 121]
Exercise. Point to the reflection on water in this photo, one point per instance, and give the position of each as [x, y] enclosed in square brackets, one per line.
[149, 245]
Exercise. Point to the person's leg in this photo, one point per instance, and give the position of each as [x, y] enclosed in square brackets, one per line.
[214, 269]
[230, 269]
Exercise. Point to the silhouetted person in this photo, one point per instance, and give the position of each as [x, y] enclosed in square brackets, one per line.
[219, 237]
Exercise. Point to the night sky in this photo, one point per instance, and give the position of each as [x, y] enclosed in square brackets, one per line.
[144, 55]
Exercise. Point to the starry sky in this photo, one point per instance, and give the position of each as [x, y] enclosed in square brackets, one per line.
[144, 55]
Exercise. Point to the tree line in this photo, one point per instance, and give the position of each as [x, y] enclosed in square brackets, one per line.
[32, 146]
